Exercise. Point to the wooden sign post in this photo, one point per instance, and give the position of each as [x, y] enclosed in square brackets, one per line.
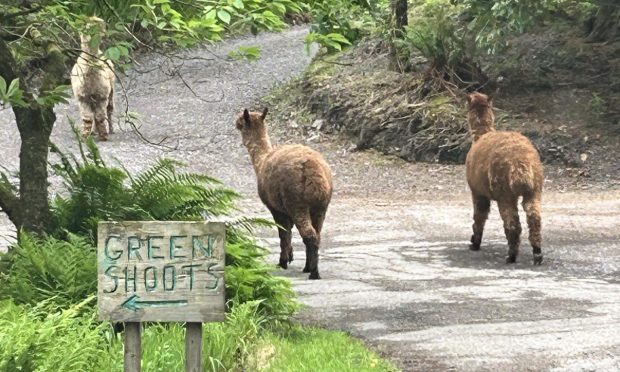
[161, 272]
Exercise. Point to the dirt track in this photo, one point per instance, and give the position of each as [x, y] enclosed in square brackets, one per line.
[395, 265]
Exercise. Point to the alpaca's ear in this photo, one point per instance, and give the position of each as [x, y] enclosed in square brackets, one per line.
[262, 117]
[246, 117]
[468, 98]
[490, 101]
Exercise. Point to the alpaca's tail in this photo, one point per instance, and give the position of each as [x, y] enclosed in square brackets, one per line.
[522, 178]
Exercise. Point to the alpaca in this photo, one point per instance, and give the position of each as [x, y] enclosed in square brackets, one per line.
[92, 80]
[294, 182]
[503, 166]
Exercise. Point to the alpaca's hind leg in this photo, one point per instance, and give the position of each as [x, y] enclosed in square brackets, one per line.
[311, 240]
[100, 122]
[512, 227]
[531, 205]
[481, 213]
[87, 122]
[286, 236]
[110, 110]
[317, 217]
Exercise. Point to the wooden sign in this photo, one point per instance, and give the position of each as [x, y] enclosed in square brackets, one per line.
[161, 271]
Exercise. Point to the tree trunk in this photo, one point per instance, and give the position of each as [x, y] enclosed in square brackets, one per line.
[606, 24]
[30, 209]
[35, 127]
[400, 20]
[399, 9]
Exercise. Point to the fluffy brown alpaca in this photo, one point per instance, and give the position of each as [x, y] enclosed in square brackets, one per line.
[92, 80]
[294, 182]
[503, 166]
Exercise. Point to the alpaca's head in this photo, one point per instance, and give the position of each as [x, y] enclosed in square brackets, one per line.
[91, 37]
[252, 126]
[480, 115]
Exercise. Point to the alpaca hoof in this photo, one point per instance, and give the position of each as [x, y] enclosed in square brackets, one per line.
[305, 270]
[538, 259]
[102, 138]
[290, 259]
[314, 276]
[283, 264]
[475, 243]
[510, 259]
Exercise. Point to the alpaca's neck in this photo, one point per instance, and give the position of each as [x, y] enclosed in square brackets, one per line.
[89, 52]
[481, 131]
[481, 124]
[259, 147]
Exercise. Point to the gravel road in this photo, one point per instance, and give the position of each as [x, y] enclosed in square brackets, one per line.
[395, 264]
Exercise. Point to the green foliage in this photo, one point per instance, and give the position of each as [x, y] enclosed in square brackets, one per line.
[37, 339]
[99, 192]
[597, 105]
[185, 23]
[249, 278]
[494, 21]
[57, 272]
[11, 95]
[250, 53]
[311, 349]
[338, 23]
[436, 33]
[332, 41]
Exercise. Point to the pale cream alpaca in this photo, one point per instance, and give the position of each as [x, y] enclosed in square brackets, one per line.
[92, 80]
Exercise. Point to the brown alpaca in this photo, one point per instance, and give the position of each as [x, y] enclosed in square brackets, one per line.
[503, 166]
[294, 182]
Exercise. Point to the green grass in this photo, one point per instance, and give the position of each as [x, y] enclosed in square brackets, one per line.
[312, 349]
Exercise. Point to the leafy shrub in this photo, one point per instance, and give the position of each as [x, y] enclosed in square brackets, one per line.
[338, 23]
[436, 33]
[35, 339]
[99, 192]
[494, 21]
[249, 278]
[59, 272]
[185, 23]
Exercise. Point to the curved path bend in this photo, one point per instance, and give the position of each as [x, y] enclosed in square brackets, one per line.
[395, 265]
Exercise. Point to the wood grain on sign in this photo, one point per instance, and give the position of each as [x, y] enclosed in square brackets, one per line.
[161, 271]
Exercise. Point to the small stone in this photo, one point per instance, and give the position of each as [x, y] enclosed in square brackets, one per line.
[314, 137]
[318, 124]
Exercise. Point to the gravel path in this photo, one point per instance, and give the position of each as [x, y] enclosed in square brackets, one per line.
[395, 265]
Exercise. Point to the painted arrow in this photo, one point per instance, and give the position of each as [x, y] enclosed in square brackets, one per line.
[134, 303]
